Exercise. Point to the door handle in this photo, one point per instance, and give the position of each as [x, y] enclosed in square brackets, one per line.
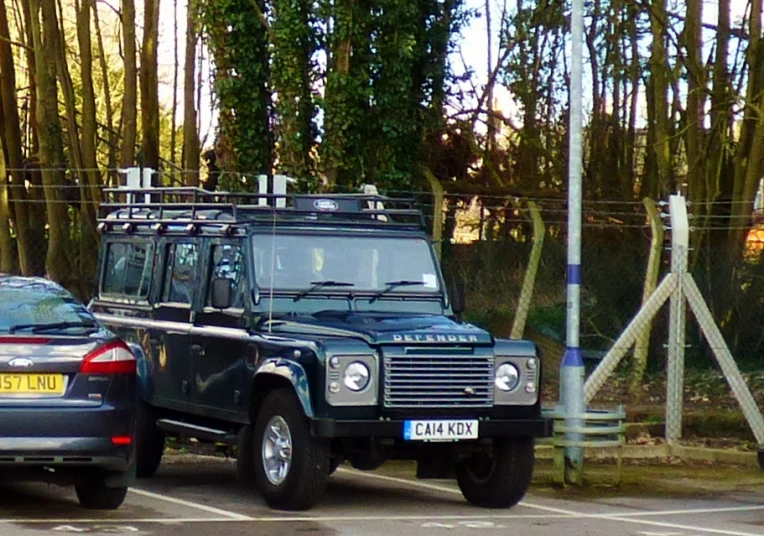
[197, 349]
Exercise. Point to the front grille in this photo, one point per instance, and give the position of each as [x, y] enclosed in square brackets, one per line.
[421, 378]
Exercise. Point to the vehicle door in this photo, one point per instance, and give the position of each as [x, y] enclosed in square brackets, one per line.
[219, 363]
[174, 310]
[126, 288]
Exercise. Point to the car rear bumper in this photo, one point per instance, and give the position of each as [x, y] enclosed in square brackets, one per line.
[66, 437]
[330, 428]
[94, 452]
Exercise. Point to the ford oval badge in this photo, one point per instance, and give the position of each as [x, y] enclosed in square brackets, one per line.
[325, 205]
[21, 362]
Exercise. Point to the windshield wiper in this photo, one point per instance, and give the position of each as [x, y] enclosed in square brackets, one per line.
[395, 284]
[35, 328]
[317, 285]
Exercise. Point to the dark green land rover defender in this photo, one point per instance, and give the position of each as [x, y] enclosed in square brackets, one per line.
[307, 331]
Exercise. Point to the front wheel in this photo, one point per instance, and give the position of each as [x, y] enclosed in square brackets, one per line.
[291, 467]
[499, 480]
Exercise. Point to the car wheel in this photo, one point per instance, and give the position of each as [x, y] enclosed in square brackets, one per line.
[96, 496]
[500, 480]
[245, 458]
[291, 467]
[149, 442]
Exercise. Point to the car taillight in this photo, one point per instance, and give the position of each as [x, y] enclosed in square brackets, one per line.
[113, 358]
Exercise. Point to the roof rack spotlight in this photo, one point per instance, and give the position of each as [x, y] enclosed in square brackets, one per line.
[127, 227]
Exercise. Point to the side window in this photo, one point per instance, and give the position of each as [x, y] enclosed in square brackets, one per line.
[227, 262]
[127, 270]
[180, 278]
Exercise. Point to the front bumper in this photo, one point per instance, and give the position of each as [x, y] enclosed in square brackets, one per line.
[330, 428]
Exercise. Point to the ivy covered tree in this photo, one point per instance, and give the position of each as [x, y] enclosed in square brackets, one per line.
[238, 38]
[348, 90]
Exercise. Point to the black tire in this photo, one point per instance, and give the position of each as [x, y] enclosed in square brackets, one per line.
[96, 496]
[334, 463]
[245, 456]
[149, 442]
[761, 459]
[499, 481]
[308, 470]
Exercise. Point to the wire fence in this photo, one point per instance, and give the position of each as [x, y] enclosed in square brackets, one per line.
[486, 241]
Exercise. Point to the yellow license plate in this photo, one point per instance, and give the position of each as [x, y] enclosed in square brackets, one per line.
[32, 384]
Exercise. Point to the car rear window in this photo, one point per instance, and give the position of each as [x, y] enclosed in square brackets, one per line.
[127, 270]
[37, 304]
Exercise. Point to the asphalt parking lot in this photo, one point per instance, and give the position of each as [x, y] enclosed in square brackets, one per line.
[189, 496]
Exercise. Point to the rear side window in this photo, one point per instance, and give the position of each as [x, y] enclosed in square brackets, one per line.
[127, 271]
[180, 282]
[227, 263]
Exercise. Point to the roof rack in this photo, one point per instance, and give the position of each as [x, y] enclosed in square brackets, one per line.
[192, 207]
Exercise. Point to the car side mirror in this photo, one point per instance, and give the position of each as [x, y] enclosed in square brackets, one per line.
[222, 293]
[457, 295]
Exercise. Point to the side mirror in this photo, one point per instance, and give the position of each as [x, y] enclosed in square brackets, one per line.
[458, 300]
[222, 293]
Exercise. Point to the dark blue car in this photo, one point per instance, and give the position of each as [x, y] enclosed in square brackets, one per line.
[67, 394]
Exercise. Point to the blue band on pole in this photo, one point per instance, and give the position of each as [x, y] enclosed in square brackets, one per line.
[574, 274]
[572, 358]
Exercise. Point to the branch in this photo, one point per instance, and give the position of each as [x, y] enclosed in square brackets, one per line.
[264, 21]
[16, 43]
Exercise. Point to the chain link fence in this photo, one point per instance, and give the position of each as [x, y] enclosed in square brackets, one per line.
[487, 241]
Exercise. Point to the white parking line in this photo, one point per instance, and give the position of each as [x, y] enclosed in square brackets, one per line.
[626, 517]
[203, 507]
[121, 521]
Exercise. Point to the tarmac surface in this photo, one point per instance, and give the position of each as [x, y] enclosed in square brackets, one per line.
[197, 496]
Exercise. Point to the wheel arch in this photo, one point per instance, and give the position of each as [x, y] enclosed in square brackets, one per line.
[280, 374]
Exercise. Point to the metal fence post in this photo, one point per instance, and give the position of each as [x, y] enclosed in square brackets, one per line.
[680, 233]
[572, 366]
[529, 282]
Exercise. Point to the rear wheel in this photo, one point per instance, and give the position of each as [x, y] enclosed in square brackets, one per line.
[96, 496]
[149, 442]
[245, 457]
[500, 480]
[291, 467]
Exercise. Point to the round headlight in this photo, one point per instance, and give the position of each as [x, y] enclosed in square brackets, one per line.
[356, 376]
[507, 377]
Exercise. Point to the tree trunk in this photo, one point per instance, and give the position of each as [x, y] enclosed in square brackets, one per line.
[34, 145]
[190, 132]
[130, 98]
[90, 180]
[57, 263]
[28, 264]
[749, 157]
[150, 86]
[7, 254]
[659, 123]
[111, 132]
[175, 69]
[696, 86]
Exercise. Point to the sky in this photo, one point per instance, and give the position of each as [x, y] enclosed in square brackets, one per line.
[472, 45]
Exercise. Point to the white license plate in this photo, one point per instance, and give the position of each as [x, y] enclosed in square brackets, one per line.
[440, 430]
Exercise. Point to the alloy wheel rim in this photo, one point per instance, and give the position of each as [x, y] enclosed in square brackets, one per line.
[277, 450]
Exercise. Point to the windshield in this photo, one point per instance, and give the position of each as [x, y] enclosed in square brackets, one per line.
[31, 307]
[366, 263]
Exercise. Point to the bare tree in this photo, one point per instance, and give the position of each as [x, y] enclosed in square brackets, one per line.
[190, 132]
[150, 85]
